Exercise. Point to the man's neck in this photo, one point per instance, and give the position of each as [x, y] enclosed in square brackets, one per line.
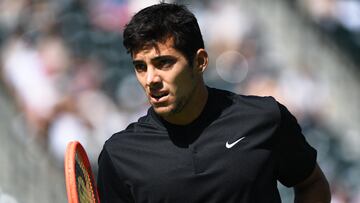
[193, 109]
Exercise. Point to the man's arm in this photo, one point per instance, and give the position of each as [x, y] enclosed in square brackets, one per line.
[314, 189]
[110, 187]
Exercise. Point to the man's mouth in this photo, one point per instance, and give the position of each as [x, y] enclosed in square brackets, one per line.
[158, 95]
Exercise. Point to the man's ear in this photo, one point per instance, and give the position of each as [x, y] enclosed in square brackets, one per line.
[201, 60]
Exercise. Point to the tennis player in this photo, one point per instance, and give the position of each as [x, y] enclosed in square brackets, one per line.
[197, 143]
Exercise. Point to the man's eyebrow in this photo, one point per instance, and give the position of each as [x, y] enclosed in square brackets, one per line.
[137, 61]
[156, 58]
[162, 57]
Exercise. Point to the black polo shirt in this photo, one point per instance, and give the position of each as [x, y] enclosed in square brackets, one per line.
[235, 151]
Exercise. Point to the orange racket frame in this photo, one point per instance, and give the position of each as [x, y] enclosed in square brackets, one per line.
[75, 150]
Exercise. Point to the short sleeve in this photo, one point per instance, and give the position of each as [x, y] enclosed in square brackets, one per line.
[110, 187]
[295, 158]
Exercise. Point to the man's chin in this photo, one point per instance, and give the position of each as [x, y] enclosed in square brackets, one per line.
[162, 111]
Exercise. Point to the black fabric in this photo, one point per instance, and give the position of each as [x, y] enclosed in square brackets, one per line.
[155, 161]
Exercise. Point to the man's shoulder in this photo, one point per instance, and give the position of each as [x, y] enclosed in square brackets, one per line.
[247, 102]
[254, 101]
[249, 108]
[143, 126]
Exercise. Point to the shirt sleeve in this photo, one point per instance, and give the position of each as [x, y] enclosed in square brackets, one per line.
[296, 159]
[110, 187]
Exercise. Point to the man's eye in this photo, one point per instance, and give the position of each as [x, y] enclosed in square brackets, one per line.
[165, 63]
[140, 67]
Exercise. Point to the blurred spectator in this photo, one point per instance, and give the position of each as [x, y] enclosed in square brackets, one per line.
[331, 13]
[27, 72]
[321, 11]
[109, 15]
[339, 19]
[11, 12]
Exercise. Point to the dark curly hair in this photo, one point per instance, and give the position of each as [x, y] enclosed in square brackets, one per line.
[160, 22]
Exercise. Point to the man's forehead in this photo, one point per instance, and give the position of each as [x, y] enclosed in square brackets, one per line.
[158, 48]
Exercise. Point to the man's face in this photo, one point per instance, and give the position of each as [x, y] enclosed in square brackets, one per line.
[168, 79]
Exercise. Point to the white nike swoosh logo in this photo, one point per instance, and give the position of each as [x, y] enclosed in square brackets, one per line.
[234, 143]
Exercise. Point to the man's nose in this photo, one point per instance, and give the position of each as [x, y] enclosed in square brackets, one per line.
[152, 77]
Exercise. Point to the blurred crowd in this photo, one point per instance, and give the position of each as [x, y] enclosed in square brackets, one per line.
[340, 19]
[64, 64]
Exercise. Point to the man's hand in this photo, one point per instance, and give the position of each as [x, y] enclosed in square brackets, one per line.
[314, 189]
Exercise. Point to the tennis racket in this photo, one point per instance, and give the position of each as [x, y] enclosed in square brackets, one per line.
[80, 182]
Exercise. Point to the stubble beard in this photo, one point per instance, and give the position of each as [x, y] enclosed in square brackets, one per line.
[183, 101]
